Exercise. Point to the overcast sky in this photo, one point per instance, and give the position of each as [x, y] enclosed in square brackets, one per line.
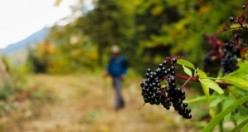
[20, 18]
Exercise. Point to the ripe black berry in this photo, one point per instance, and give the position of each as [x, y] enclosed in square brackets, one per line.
[231, 18]
[148, 70]
[243, 7]
[174, 60]
[164, 62]
[185, 105]
[147, 75]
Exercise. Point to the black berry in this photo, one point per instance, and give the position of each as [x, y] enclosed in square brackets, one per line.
[231, 18]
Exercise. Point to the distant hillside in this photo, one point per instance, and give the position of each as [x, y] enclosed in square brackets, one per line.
[17, 52]
[31, 40]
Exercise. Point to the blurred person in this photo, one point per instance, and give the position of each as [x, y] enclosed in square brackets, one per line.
[117, 68]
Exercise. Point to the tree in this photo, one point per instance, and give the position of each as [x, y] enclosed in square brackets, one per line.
[102, 26]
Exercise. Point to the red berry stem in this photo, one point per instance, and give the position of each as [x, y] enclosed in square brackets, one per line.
[186, 82]
[196, 79]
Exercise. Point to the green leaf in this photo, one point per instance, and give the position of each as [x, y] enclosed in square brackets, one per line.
[185, 63]
[228, 101]
[212, 112]
[245, 128]
[222, 114]
[205, 88]
[236, 81]
[198, 99]
[187, 71]
[207, 83]
[235, 25]
[215, 102]
[238, 127]
[242, 71]
[201, 74]
[240, 117]
[213, 85]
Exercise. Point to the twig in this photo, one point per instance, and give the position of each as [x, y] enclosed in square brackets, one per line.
[196, 79]
[185, 83]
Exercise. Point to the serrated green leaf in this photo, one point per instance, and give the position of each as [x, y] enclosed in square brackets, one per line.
[200, 99]
[187, 71]
[239, 117]
[197, 99]
[223, 113]
[212, 85]
[207, 83]
[242, 71]
[240, 126]
[212, 112]
[201, 74]
[236, 81]
[235, 25]
[228, 101]
[245, 128]
[185, 63]
[220, 74]
[205, 88]
[215, 102]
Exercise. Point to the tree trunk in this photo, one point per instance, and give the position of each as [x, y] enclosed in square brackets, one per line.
[100, 55]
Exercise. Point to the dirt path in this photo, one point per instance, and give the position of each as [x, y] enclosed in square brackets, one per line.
[85, 104]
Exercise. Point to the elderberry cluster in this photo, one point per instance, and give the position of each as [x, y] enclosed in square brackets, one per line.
[226, 53]
[231, 52]
[228, 62]
[171, 94]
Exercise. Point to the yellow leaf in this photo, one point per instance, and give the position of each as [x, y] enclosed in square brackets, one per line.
[157, 10]
[204, 9]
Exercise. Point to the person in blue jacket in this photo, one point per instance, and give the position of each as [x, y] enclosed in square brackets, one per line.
[117, 68]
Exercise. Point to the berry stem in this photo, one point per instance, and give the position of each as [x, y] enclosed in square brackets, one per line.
[185, 77]
[185, 83]
[196, 79]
